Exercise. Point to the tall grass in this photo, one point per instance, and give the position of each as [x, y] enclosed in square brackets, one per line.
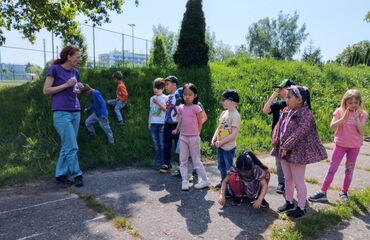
[29, 144]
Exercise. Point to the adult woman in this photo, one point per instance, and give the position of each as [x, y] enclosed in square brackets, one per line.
[62, 83]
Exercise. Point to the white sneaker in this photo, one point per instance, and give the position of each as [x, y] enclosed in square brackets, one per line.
[184, 185]
[201, 184]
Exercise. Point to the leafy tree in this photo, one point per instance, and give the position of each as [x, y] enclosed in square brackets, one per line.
[279, 38]
[358, 53]
[169, 38]
[58, 16]
[367, 17]
[218, 51]
[31, 68]
[192, 49]
[312, 55]
[159, 56]
[77, 39]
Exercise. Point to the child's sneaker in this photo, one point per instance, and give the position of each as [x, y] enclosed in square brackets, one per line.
[318, 197]
[237, 201]
[264, 204]
[343, 196]
[164, 168]
[184, 185]
[296, 213]
[201, 184]
[280, 189]
[63, 180]
[286, 207]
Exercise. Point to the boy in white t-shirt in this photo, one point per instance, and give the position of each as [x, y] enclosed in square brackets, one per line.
[156, 119]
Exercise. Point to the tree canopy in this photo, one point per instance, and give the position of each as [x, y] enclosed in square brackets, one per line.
[192, 49]
[59, 16]
[169, 38]
[159, 56]
[279, 38]
[358, 53]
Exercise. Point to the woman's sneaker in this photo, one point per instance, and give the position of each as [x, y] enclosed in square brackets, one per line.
[343, 196]
[78, 181]
[318, 197]
[201, 184]
[297, 213]
[286, 207]
[184, 185]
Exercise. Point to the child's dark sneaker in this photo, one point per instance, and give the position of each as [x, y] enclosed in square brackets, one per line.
[280, 189]
[318, 197]
[237, 201]
[63, 179]
[90, 137]
[164, 168]
[343, 196]
[296, 213]
[78, 181]
[264, 204]
[286, 207]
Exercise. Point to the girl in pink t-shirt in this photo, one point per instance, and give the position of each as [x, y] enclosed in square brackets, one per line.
[349, 122]
[189, 125]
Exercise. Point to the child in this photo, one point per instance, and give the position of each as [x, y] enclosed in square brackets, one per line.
[157, 113]
[275, 109]
[224, 138]
[296, 142]
[170, 123]
[194, 177]
[349, 121]
[121, 99]
[100, 113]
[249, 178]
[190, 126]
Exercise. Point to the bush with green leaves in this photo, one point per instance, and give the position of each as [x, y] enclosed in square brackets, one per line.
[29, 144]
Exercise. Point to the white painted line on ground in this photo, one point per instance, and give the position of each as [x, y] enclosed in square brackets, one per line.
[31, 236]
[94, 219]
[40, 204]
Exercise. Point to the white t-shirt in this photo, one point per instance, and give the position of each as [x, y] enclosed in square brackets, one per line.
[157, 115]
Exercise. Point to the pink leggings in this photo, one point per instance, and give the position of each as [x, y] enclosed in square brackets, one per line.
[294, 177]
[338, 154]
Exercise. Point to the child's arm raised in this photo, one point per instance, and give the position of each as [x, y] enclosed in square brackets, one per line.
[257, 203]
[360, 123]
[221, 199]
[267, 107]
[336, 121]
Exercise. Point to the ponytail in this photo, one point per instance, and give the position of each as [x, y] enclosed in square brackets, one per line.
[66, 51]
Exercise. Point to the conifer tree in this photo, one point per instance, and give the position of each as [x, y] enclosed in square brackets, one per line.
[192, 49]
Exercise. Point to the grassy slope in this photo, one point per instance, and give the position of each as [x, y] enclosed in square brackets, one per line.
[29, 144]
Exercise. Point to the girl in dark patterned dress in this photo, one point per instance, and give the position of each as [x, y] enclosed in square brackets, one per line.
[296, 142]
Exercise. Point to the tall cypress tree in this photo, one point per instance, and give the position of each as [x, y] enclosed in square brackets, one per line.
[192, 49]
[159, 56]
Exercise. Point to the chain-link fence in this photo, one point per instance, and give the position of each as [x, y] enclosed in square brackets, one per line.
[19, 58]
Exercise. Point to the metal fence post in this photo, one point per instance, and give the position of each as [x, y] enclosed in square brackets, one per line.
[123, 50]
[94, 43]
[52, 43]
[146, 52]
[44, 51]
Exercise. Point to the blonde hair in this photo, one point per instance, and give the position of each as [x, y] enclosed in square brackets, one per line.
[351, 93]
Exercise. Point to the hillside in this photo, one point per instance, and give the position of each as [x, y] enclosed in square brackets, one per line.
[29, 144]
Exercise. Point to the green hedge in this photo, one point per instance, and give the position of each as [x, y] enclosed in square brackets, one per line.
[29, 144]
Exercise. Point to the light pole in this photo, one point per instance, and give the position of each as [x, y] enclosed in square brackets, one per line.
[132, 25]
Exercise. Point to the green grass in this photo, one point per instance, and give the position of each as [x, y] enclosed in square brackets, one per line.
[312, 181]
[29, 144]
[315, 223]
[119, 222]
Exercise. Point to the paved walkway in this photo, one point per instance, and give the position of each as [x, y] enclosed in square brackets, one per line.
[158, 208]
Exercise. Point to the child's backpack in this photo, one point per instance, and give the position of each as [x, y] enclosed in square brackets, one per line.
[236, 184]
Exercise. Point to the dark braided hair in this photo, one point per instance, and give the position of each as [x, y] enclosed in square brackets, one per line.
[247, 160]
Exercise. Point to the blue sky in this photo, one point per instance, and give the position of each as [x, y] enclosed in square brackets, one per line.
[332, 24]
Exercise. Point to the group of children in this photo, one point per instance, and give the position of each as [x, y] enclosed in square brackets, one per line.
[295, 142]
[177, 118]
[99, 109]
